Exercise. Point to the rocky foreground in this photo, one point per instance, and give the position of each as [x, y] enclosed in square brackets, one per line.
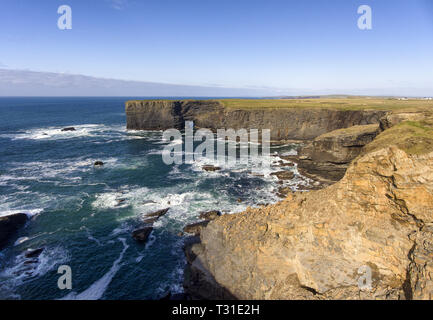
[321, 244]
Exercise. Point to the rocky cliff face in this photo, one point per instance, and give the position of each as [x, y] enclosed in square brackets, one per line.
[285, 124]
[313, 245]
[329, 155]
[166, 114]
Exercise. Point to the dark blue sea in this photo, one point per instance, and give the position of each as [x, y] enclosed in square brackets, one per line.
[76, 215]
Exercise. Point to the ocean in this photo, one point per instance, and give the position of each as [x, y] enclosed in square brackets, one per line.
[76, 215]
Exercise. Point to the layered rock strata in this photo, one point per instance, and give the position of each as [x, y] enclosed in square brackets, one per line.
[284, 123]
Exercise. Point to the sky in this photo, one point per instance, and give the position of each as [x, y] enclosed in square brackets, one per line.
[272, 46]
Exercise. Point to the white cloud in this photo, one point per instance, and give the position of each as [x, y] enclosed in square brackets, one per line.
[2, 65]
[33, 83]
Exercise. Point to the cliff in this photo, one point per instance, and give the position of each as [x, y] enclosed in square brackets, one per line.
[318, 245]
[329, 155]
[284, 123]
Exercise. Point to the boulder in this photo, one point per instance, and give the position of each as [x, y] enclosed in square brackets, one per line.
[68, 129]
[142, 234]
[211, 168]
[9, 225]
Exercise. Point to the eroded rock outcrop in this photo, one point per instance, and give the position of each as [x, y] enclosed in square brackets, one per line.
[312, 245]
[329, 155]
[142, 234]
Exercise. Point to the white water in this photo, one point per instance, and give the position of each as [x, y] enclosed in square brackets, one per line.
[97, 289]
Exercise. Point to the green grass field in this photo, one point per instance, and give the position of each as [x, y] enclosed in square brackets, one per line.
[355, 103]
[341, 103]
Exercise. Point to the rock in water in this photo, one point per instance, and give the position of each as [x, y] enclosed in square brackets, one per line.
[211, 168]
[34, 253]
[150, 221]
[210, 215]
[68, 129]
[98, 164]
[284, 191]
[142, 234]
[195, 228]
[284, 175]
[9, 225]
[158, 213]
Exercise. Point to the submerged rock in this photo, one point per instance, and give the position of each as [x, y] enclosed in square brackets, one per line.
[148, 202]
[120, 202]
[30, 262]
[142, 234]
[34, 253]
[158, 213]
[9, 225]
[68, 129]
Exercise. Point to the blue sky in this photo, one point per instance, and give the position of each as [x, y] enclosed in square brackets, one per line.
[308, 46]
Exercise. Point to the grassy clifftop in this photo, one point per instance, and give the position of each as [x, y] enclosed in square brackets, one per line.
[345, 103]
[355, 103]
[414, 137]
